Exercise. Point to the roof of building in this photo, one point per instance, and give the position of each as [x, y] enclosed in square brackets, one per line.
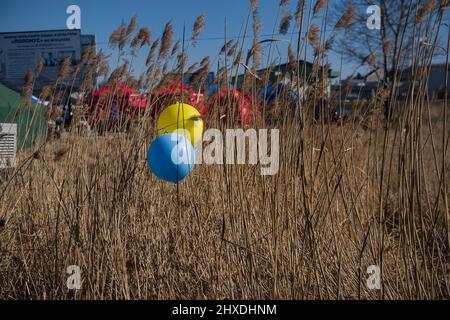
[281, 69]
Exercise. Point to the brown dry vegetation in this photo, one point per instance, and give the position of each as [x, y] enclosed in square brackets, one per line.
[310, 231]
[370, 191]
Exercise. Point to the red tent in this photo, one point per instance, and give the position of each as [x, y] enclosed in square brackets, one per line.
[171, 94]
[128, 96]
[115, 108]
[227, 96]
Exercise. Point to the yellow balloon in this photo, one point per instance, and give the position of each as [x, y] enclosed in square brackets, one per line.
[171, 120]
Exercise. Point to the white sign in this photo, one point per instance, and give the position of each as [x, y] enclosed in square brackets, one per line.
[8, 145]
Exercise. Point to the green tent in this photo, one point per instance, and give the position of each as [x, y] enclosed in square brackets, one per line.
[31, 122]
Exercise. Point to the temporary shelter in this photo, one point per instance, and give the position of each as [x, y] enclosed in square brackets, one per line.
[123, 94]
[30, 120]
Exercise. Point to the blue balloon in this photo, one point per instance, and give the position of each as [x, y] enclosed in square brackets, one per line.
[171, 157]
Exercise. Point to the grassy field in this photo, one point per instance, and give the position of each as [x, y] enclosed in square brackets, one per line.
[343, 200]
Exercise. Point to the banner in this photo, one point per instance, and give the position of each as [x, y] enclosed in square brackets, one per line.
[22, 51]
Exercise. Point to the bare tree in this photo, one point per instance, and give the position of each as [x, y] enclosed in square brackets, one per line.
[385, 49]
[389, 47]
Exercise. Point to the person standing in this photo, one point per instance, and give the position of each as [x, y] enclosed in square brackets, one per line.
[68, 114]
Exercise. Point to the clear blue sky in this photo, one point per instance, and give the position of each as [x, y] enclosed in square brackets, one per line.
[101, 17]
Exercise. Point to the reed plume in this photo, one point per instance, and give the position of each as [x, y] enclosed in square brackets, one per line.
[65, 68]
[192, 68]
[226, 47]
[347, 19]
[176, 47]
[27, 89]
[286, 22]
[101, 65]
[142, 38]
[39, 67]
[131, 26]
[198, 25]
[166, 40]
[200, 74]
[313, 35]
[181, 62]
[88, 54]
[46, 91]
[205, 61]
[238, 58]
[424, 10]
[87, 82]
[233, 49]
[151, 52]
[119, 73]
[319, 6]
[116, 35]
[124, 33]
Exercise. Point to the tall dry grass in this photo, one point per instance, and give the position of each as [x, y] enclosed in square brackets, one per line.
[368, 191]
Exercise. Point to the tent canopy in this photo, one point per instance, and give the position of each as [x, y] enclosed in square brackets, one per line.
[136, 99]
[119, 87]
[31, 122]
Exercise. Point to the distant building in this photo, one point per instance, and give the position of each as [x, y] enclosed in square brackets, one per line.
[22, 51]
[361, 87]
[282, 73]
[356, 88]
[436, 80]
[86, 41]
